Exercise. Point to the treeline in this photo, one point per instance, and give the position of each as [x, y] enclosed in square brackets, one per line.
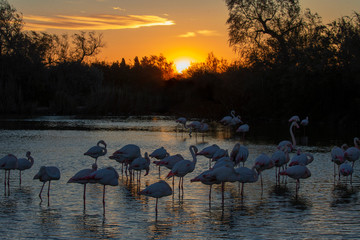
[300, 66]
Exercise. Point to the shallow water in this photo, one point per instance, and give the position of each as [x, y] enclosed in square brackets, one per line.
[323, 210]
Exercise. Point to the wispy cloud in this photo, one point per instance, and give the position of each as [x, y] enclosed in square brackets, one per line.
[119, 8]
[96, 22]
[206, 33]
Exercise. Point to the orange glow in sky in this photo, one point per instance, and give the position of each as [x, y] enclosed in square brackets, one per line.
[186, 29]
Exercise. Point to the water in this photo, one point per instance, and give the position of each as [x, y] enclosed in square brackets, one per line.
[323, 210]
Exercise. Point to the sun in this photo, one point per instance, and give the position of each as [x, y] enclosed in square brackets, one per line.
[182, 64]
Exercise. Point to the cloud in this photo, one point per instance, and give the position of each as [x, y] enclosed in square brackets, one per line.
[206, 33]
[119, 8]
[96, 22]
[188, 34]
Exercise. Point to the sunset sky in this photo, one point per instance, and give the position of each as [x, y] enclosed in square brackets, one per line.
[186, 29]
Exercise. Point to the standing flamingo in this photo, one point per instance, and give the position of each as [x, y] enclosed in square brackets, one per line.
[305, 122]
[337, 156]
[47, 174]
[263, 162]
[79, 178]
[207, 179]
[182, 121]
[301, 158]
[126, 155]
[209, 152]
[104, 176]
[346, 169]
[8, 163]
[157, 190]
[183, 167]
[97, 151]
[297, 172]
[352, 154]
[194, 126]
[246, 175]
[140, 164]
[159, 154]
[280, 159]
[243, 129]
[25, 163]
[227, 119]
[286, 143]
[169, 162]
[240, 153]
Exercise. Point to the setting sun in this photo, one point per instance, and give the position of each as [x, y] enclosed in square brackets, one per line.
[182, 64]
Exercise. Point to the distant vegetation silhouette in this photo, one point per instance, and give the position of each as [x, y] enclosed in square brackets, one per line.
[289, 62]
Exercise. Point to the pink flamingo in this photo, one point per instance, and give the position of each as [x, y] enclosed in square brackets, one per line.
[227, 119]
[47, 174]
[79, 178]
[97, 151]
[263, 162]
[157, 190]
[140, 164]
[25, 163]
[240, 153]
[301, 158]
[337, 156]
[243, 129]
[246, 175]
[207, 179]
[159, 154]
[294, 118]
[224, 174]
[305, 122]
[297, 172]
[209, 152]
[169, 162]
[183, 167]
[286, 143]
[8, 163]
[346, 169]
[126, 155]
[280, 159]
[194, 126]
[352, 154]
[104, 176]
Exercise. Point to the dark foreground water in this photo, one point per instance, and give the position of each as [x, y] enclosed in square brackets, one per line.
[323, 210]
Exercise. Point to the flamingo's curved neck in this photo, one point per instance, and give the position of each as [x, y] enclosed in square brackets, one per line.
[292, 134]
[356, 143]
[233, 113]
[193, 154]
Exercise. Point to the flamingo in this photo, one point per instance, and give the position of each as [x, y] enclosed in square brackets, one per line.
[79, 178]
[346, 169]
[227, 119]
[224, 161]
[305, 122]
[47, 174]
[97, 151]
[239, 154]
[183, 167]
[263, 162]
[219, 154]
[157, 190]
[169, 162]
[181, 120]
[126, 155]
[352, 154]
[280, 158]
[141, 163]
[159, 154]
[337, 156]
[105, 176]
[25, 163]
[294, 118]
[301, 158]
[297, 172]
[8, 163]
[194, 126]
[286, 143]
[246, 175]
[243, 129]
[224, 174]
[209, 152]
[205, 179]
